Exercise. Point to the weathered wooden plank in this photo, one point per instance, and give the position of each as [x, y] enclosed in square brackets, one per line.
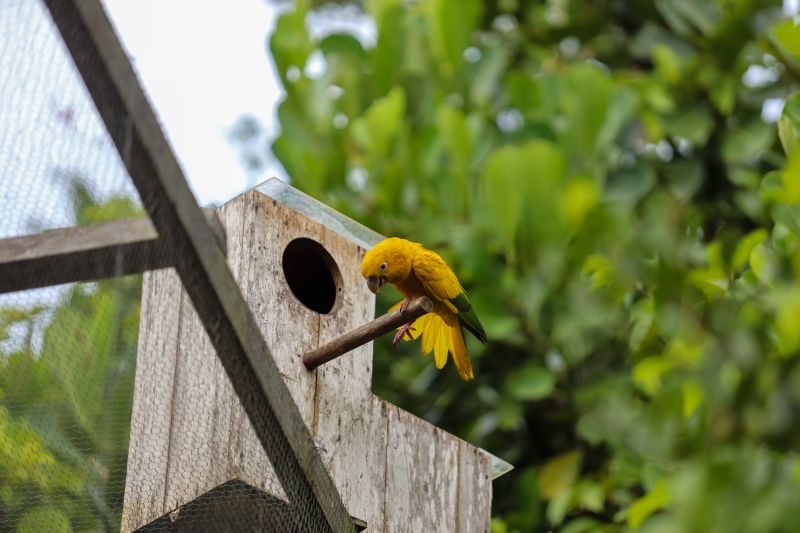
[421, 476]
[352, 439]
[148, 450]
[199, 433]
[286, 324]
[474, 512]
[350, 426]
[80, 254]
[55, 242]
[86, 253]
[247, 458]
[237, 216]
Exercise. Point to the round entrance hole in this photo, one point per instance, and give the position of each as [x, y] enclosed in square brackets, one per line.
[312, 274]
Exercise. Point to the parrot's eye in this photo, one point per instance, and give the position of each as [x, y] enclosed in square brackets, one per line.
[383, 267]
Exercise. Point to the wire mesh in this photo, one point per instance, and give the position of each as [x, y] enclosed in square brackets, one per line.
[66, 379]
[79, 448]
[67, 353]
[54, 152]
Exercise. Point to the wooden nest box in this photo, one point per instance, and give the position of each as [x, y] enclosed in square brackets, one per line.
[193, 452]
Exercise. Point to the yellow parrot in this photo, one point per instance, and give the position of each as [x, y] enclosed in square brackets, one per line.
[416, 271]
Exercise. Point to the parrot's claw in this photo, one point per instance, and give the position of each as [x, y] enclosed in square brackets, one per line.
[404, 306]
[405, 329]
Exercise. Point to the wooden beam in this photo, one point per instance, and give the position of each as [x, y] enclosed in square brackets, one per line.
[367, 333]
[86, 253]
[248, 362]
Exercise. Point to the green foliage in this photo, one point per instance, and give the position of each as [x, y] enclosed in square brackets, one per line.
[627, 225]
[66, 385]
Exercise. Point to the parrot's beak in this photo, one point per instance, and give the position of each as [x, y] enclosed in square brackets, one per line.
[375, 283]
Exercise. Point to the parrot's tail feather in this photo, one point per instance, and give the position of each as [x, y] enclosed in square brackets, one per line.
[460, 357]
[426, 326]
[441, 334]
[418, 327]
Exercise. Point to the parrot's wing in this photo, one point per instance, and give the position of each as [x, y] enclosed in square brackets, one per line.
[441, 282]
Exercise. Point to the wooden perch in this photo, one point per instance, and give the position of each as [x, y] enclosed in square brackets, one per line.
[366, 333]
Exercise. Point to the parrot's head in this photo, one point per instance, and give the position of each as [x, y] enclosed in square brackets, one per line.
[389, 261]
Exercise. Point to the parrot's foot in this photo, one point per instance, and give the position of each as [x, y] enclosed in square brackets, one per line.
[405, 329]
[404, 307]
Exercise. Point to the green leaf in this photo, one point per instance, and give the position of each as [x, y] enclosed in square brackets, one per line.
[598, 269]
[523, 91]
[789, 124]
[745, 246]
[499, 525]
[683, 15]
[642, 316]
[694, 125]
[591, 495]
[693, 395]
[788, 215]
[522, 175]
[744, 145]
[41, 519]
[629, 186]
[648, 372]
[585, 101]
[290, 43]
[453, 126]
[622, 107]
[380, 125]
[560, 474]
[685, 177]
[558, 507]
[786, 317]
[762, 263]
[790, 179]
[787, 34]
[342, 45]
[388, 57]
[487, 76]
[579, 197]
[648, 504]
[667, 63]
[452, 23]
[302, 163]
[723, 94]
[531, 383]
[377, 9]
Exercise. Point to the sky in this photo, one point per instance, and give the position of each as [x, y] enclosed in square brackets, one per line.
[204, 65]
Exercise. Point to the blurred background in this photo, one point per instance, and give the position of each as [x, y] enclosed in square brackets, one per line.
[615, 182]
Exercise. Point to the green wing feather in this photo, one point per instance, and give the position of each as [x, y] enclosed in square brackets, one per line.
[468, 317]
